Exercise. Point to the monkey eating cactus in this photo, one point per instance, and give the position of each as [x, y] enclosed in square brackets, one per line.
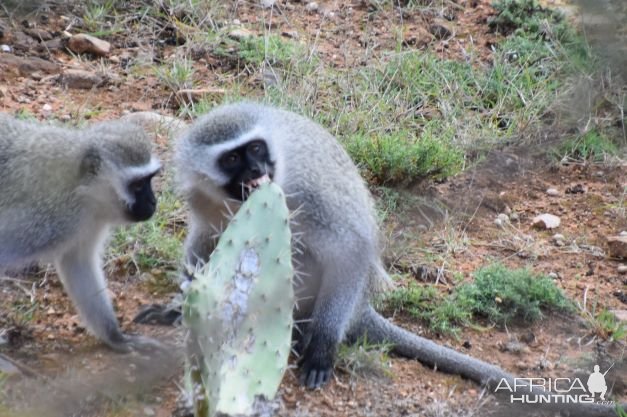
[239, 310]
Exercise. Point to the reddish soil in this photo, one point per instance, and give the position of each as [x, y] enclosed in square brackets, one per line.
[43, 332]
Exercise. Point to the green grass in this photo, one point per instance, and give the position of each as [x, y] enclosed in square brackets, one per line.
[609, 327]
[413, 115]
[272, 49]
[156, 243]
[364, 359]
[176, 76]
[499, 295]
[591, 146]
[505, 296]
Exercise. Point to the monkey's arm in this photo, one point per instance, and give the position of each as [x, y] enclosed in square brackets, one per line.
[344, 278]
[200, 242]
[83, 280]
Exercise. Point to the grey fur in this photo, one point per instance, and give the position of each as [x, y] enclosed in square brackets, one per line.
[60, 191]
[336, 220]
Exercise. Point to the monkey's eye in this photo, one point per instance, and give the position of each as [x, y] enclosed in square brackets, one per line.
[254, 148]
[230, 160]
[138, 185]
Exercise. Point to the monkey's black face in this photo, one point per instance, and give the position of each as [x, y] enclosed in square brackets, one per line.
[247, 166]
[145, 202]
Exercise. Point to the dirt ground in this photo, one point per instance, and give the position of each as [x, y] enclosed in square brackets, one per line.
[590, 202]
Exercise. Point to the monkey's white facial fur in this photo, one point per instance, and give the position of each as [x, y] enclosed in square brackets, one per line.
[231, 168]
[125, 194]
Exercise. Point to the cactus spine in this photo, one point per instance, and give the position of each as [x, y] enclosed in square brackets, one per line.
[239, 310]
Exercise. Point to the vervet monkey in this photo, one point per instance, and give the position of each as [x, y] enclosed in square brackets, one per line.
[61, 190]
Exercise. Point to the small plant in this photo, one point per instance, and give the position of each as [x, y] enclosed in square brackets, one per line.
[592, 146]
[505, 295]
[501, 295]
[608, 326]
[177, 76]
[271, 49]
[96, 15]
[401, 157]
[444, 314]
[523, 16]
[364, 359]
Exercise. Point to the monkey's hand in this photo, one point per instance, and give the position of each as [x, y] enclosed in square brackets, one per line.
[316, 364]
[165, 315]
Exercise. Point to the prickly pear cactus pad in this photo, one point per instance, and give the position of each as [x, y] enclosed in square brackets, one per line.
[239, 309]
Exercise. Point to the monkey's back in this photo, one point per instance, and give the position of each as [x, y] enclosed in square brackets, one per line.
[38, 178]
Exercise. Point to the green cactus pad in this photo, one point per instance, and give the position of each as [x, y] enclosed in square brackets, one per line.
[239, 309]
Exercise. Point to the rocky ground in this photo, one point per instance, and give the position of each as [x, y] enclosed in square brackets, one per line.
[489, 215]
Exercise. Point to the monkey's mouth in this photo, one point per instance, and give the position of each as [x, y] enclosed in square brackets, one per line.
[252, 185]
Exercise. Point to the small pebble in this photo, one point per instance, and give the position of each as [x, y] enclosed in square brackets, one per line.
[553, 275]
[552, 192]
[311, 6]
[622, 269]
[5, 48]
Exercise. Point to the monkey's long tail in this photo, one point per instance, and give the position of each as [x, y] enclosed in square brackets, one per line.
[379, 330]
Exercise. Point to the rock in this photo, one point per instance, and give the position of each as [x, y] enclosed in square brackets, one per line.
[617, 246]
[196, 94]
[39, 34]
[267, 4]
[558, 239]
[240, 34]
[292, 34]
[417, 37]
[7, 367]
[623, 233]
[80, 79]
[440, 31]
[620, 314]
[553, 275]
[82, 43]
[5, 48]
[25, 66]
[155, 122]
[622, 269]
[552, 192]
[312, 6]
[576, 189]
[546, 221]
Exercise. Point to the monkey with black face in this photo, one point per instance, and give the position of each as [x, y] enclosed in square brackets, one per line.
[61, 190]
[226, 154]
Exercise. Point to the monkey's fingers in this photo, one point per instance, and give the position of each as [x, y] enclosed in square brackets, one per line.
[158, 314]
[316, 367]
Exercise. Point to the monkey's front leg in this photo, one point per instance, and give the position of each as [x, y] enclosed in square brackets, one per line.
[199, 244]
[83, 280]
[343, 280]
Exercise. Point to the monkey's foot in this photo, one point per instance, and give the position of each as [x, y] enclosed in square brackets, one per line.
[129, 343]
[165, 315]
[316, 368]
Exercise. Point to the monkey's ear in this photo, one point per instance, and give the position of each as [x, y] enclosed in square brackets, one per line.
[90, 163]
